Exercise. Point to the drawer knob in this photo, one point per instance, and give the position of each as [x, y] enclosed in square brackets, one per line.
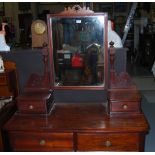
[125, 107]
[42, 142]
[31, 107]
[107, 143]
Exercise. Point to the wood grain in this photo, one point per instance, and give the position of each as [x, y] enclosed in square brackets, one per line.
[39, 141]
[89, 121]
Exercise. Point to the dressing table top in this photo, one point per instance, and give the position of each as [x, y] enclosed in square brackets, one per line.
[78, 116]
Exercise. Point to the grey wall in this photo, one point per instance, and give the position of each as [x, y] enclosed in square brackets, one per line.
[29, 61]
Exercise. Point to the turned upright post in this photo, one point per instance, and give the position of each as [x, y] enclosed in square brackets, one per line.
[112, 56]
[113, 76]
[45, 60]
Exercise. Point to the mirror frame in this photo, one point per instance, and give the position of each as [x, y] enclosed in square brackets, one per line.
[73, 13]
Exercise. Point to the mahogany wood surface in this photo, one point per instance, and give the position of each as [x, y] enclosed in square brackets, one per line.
[86, 127]
[124, 101]
[108, 142]
[6, 84]
[35, 102]
[42, 141]
[83, 126]
[8, 87]
[124, 106]
[75, 117]
[124, 95]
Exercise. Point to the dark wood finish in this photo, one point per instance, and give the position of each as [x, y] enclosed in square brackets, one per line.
[8, 87]
[3, 79]
[41, 141]
[6, 83]
[81, 126]
[124, 95]
[39, 102]
[89, 121]
[125, 101]
[124, 106]
[36, 83]
[108, 142]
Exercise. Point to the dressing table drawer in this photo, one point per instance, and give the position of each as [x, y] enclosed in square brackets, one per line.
[122, 106]
[36, 103]
[36, 141]
[32, 107]
[108, 142]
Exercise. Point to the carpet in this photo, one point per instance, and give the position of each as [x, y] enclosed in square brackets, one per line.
[146, 85]
[149, 95]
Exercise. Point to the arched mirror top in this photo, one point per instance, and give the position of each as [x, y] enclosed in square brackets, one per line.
[78, 49]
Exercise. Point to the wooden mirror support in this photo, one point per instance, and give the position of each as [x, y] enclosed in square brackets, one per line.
[78, 49]
[122, 80]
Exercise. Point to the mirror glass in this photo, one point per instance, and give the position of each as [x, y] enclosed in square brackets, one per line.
[78, 50]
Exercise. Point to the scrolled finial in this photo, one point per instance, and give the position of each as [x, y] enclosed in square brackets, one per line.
[111, 44]
[76, 8]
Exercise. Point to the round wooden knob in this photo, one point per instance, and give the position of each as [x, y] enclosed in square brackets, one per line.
[125, 107]
[107, 143]
[31, 107]
[42, 142]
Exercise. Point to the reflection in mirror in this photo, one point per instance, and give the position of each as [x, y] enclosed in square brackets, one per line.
[78, 50]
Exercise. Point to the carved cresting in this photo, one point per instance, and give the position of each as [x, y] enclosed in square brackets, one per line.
[76, 9]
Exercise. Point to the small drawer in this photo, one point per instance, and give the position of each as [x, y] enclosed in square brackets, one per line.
[23, 141]
[107, 142]
[3, 80]
[124, 106]
[36, 103]
[32, 107]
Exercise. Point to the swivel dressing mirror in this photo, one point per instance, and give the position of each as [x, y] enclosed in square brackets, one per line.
[78, 49]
